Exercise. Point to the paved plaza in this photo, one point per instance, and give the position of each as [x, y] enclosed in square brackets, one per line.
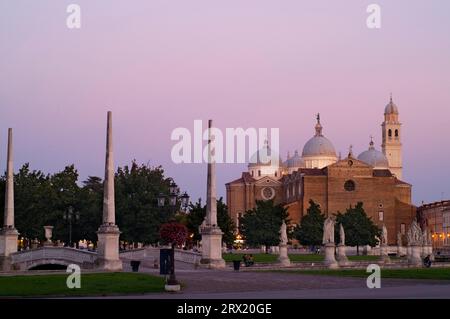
[224, 284]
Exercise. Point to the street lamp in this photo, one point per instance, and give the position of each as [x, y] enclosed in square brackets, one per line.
[69, 216]
[174, 198]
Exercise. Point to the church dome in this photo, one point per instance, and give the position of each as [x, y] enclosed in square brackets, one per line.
[391, 108]
[295, 161]
[258, 159]
[318, 145]
[374, 158]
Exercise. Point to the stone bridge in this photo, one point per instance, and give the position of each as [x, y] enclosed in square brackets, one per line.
[64, 256]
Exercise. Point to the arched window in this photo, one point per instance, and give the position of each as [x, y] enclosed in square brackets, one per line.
[349, 186]
[275, 174]
[390, 133]
[259, 173]
[252, 173]
[396, 133]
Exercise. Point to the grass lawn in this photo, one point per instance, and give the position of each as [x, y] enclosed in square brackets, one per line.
[271, 258]
[407, 273]
[91, 284]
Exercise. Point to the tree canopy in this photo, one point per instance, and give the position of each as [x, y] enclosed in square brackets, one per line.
[43, 199]
[261, 225]
[359, 229]
[310, 230]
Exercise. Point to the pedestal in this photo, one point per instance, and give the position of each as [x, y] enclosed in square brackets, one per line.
[342, 256]
[330, 260]
[415, 259]
[399, 251]
[8, 246]
[212, 248]
[384, 256]
[408, 252]
[172, 288]
[108, 248]
[283, 258]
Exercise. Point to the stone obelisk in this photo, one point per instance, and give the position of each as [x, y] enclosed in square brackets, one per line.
[210, 231]
[8, 234]
[108, 232]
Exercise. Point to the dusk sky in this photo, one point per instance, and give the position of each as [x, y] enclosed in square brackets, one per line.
[159, 65]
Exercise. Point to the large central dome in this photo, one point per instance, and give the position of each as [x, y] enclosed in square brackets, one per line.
[318, 146]
[318, 151]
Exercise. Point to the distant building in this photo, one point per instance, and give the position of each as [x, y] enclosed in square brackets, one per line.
[436, 218]
[374, 178]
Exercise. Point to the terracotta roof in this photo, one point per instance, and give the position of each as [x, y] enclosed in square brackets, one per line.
[399, 182]
[245, 178]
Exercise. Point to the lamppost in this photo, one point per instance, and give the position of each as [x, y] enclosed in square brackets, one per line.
[69, 216]
[174, 199]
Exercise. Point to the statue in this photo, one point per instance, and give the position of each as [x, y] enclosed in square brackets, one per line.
[328, 230]
[342, 234]
[384, 238]
[415, 234]
[283, 231]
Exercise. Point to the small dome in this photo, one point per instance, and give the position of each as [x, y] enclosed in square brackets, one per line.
[295, 161]
[391, 108]
[374, 158]
[257, 158]
[318, 145]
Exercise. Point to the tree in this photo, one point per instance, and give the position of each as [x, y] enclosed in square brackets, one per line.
[261, 225]
[31, 189]
[197, 213]
[359, 228]
[310, 230]
[137, 189]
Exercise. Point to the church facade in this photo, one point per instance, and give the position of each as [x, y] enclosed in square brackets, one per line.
[373, 177]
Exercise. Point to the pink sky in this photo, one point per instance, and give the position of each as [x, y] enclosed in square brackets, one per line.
[162, 64]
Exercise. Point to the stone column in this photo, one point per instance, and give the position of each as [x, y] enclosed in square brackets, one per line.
[330, 260]
[210, 231]
[108, 233]
[8, 234]
[341, 255]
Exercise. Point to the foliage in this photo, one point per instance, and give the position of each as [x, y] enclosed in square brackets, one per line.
[173, 233]
[359, 229]
[197, 213]
[261, 225]
[44, 199]
[310, 230]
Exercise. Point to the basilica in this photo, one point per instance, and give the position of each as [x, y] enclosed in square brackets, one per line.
[373, 177]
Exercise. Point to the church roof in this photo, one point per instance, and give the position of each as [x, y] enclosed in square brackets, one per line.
[318, 145]
[245, 178]
[382, 173]
[391, 107]
[374, 158]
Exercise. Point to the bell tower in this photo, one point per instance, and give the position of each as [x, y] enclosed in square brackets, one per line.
[391, 133]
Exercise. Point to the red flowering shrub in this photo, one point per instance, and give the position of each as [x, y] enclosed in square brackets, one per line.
[173, 233]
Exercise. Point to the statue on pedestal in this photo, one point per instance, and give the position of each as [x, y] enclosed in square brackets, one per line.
[384, 238]
[328, 230]
[342, 234]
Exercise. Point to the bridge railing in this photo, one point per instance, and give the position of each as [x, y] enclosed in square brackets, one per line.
[64, 253]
